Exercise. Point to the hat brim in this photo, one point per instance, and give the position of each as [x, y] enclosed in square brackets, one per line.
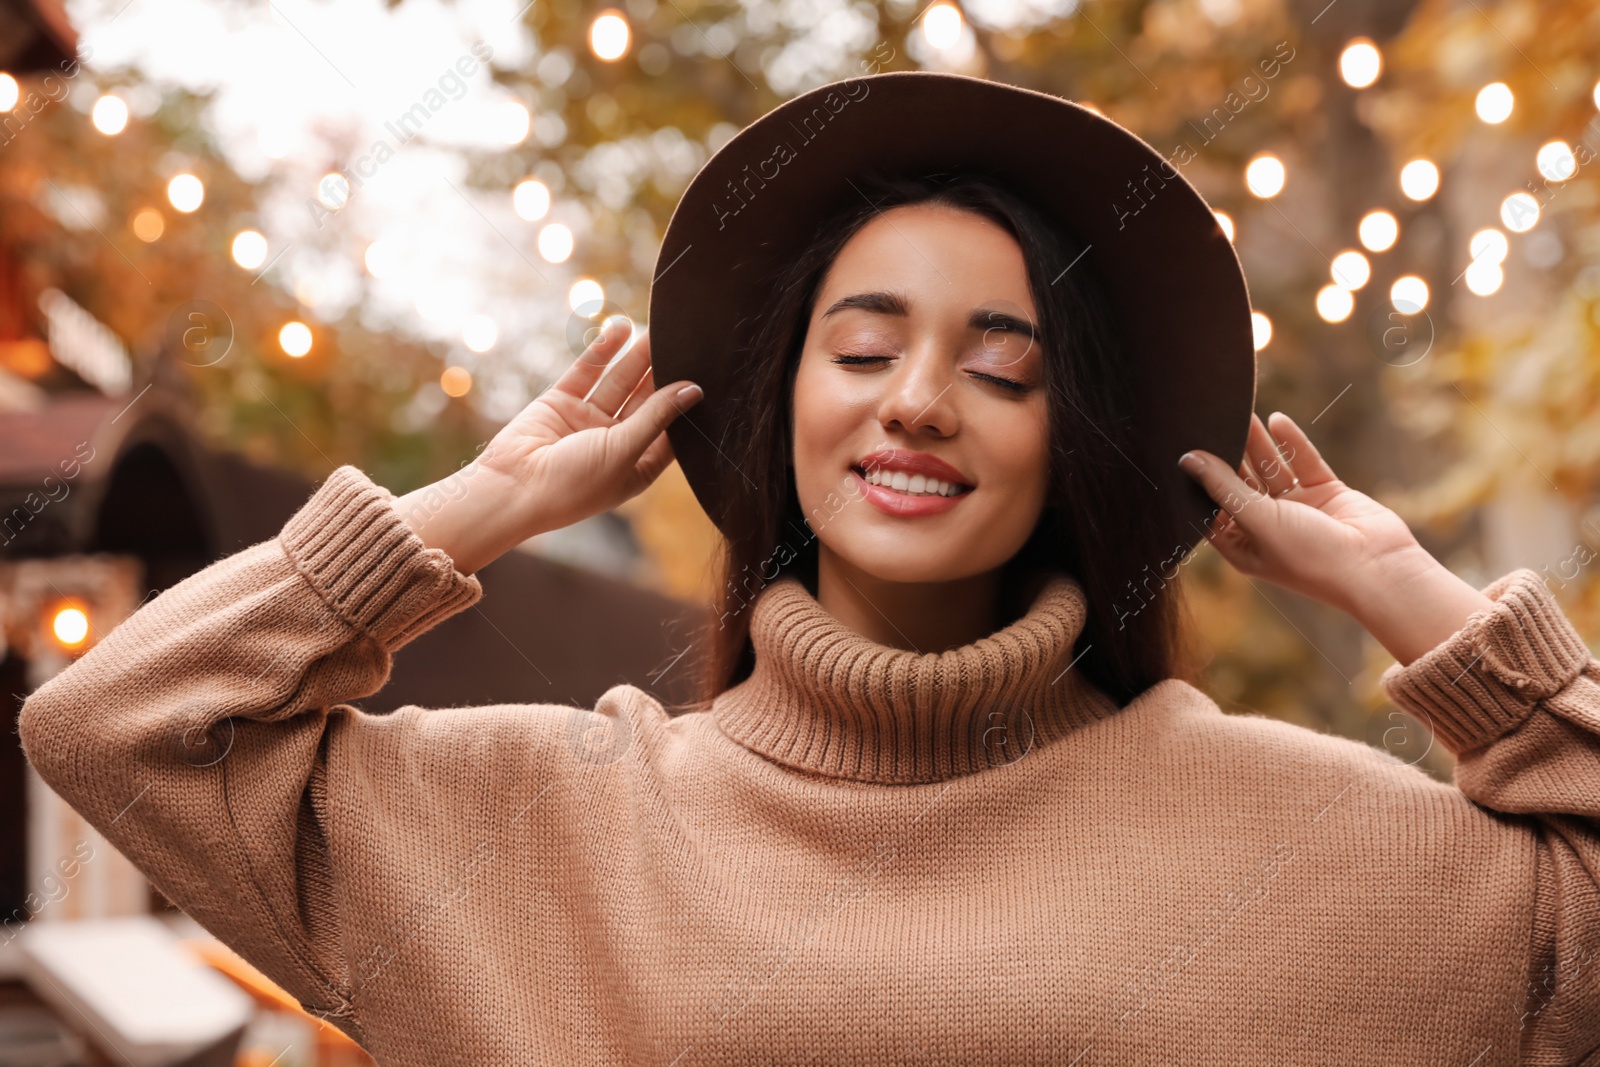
[1177, 294]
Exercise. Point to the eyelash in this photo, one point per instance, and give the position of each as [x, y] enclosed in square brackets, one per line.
[1005, 383]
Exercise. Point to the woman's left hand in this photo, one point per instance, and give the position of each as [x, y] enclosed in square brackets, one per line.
[1314, 535]
[1293, 522]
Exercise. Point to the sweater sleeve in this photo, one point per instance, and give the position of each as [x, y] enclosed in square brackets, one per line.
[193, 735]
[1515, 694]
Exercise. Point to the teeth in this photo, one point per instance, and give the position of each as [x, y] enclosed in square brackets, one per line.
[910, 484]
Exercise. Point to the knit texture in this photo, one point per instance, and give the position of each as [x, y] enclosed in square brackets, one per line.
[858, 855]
[824, 699]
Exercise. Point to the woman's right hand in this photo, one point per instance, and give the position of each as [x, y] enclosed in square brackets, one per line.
[561, 459]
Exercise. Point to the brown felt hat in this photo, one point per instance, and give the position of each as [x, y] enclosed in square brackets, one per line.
[1177, 295]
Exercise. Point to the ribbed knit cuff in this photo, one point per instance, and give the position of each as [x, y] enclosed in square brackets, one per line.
[353, 546]
[1486, 679]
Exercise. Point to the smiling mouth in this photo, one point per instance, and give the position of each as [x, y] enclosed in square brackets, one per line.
[910, 484]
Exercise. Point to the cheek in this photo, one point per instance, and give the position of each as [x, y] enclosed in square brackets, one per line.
[1024, 441]
[818, 420]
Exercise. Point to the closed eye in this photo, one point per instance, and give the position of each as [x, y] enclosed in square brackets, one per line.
[1009, 384]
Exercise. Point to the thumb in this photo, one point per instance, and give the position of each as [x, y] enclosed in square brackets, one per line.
[1224, 485]
[635, 433]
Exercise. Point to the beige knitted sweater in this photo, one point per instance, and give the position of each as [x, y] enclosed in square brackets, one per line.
[860, 855]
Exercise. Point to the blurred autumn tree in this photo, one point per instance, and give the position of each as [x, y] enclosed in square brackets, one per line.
[69, 201]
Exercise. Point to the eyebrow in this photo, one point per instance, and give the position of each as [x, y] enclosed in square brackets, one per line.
[883, 302]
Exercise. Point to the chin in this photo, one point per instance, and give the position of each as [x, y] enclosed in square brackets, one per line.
[903, 564]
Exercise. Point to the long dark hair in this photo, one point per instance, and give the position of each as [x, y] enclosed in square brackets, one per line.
[1091, 528]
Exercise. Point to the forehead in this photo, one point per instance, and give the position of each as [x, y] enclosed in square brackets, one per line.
[945, 258]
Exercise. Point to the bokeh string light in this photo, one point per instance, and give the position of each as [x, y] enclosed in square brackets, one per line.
[1350, 269]
[1265, 176]
[1261, 329]
[109, 115]
[186, 192]
[942, 25]
[1519, 212]
[609, 36]
[1360, 63]
[1409, 294]
[1334, 303]
[1494, 103]
[1556, 161]
[1378, 231]
[1419, 179]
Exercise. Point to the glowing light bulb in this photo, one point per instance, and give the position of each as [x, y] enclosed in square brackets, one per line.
[585, 292]
[110, 115]
[1261, 329]
[531, 199]
[1484, 278]
[1379, 230]
[1360, 63]
[70, 625]
[1409, 294]
[1419, 179]
[1265, 175]
[1494, 103]
[1351, 270]
[249, 249]
[333, 191]
[513, 121]
[941, 25]
[185, 192]
[480, 333]
[1334, 303]
[608, 35]
[1519, 212]
[1556, 161]
[1488, 246]
[555, 243]
[295, 339]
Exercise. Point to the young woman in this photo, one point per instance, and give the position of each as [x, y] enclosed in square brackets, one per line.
[942, 805]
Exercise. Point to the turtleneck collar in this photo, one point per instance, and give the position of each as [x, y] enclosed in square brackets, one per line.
[825, 699]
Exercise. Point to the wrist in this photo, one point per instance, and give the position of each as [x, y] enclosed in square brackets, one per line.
[1375, 588]
[1412, 603]
[468, 515]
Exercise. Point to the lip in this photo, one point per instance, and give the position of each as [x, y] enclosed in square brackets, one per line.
[923, 463]
[902, 505]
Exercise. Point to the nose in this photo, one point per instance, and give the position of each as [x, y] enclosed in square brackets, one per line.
[917, 395]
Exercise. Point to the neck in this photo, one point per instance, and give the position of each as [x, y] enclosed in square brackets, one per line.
[913, 616]
[824, 698]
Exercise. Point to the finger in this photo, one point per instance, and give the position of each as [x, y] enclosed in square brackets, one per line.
[1308, 462]
[656, 459]
[623, 376]
[579, 378]
[642, 392]
[1248, 474]
[641, 429]
[1222, 484]
[1216, 524]
[1262, 455]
